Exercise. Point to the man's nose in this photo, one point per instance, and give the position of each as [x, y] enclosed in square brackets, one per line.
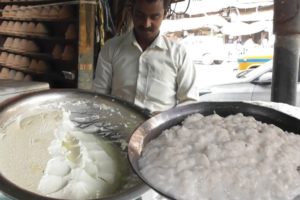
[147, 22]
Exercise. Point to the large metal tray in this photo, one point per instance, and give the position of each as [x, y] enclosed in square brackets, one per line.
[153, 127]
[85, 110]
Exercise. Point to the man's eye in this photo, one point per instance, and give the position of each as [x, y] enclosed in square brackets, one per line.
[155, 17]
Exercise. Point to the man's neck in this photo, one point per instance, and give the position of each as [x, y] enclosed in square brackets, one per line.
[144, 44]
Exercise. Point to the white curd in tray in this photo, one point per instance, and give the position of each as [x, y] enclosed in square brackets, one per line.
[216, 158]
[46, 154]
[23, 148]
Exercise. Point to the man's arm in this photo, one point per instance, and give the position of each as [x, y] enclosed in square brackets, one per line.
[187, 91]
[103, 74]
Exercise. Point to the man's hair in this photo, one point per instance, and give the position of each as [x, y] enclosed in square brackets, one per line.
[167, 3]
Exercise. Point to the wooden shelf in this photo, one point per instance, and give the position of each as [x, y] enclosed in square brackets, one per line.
[42, 56]
[49, 75]
[62, 73]
[38, 37]
[66, 20]
[32, 2]
[23, 69]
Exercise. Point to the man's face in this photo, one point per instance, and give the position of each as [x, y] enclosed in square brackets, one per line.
[147, 18]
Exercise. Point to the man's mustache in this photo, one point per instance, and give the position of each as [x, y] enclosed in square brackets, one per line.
[147, 29]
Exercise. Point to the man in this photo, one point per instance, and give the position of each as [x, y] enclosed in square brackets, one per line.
[144, 67]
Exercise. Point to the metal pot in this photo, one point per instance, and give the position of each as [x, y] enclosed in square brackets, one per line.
[80, 104]
[153, 127]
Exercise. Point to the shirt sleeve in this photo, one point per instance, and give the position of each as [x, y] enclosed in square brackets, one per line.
[187, 91]
[103, 75]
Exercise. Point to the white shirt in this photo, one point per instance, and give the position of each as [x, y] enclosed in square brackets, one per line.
[158, 78]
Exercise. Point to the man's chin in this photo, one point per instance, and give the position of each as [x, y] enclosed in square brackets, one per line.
[148, 36]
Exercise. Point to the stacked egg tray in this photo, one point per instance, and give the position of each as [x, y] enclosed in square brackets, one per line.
[32, 12]
[19, 45]
[23, 62]
[39, 38]
[11, 74]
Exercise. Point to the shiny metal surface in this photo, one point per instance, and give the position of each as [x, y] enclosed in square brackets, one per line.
[84, 106]
[10, 88]
[154, 126]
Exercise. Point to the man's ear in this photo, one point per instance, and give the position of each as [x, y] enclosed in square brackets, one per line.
[165, 14]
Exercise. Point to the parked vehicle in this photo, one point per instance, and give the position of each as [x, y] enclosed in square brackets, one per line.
[249, 85]
[254, 58]
[205, 50]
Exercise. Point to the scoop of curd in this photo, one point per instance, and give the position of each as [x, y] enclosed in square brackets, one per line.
[82, 165]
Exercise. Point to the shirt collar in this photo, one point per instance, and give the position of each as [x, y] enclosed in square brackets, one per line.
[158, 42]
